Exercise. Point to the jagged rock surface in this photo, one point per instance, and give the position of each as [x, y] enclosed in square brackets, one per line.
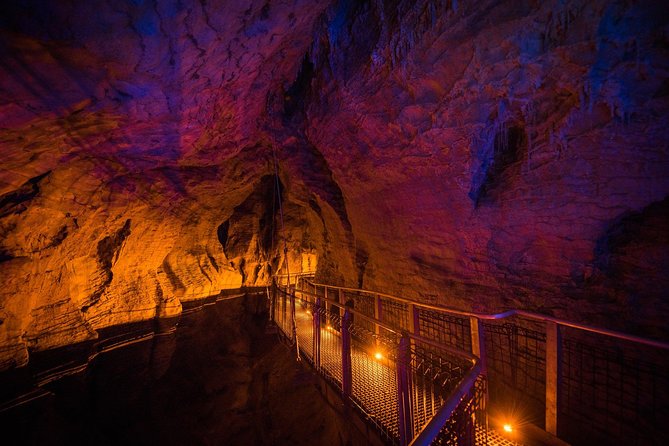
[487, 150]
[477, 154]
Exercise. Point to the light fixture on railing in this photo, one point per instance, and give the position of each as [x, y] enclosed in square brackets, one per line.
[378, 355]
[509, 428]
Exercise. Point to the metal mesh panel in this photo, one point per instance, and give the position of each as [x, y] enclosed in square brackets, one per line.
[609, 392]
[282, 314]
[331, 347]
[361, 303]
[432, 372]
[434, 375]
[613, 394]
[374, 386]
[516, 360]
[425, 401]
[447, 329]
[374, 380]
[395, 313]
[319, 291]
[461, 428]
[305, 327]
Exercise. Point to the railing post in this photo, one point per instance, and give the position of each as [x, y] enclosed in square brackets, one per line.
[339, 298]
[283, 314]
[478, 342]
[553, 375]
[346, 375]
[478, 349]
[414, 322]
[272, 302]
[328, 308]
[292, 316]
[317, 333]
[404, 390]
[378, 315]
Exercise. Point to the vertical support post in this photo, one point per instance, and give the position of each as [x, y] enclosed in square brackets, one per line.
[283, 313]
[404, 390]
[328, 308]
[378, 315]
[478, 342]
[339, 311]
[317, 334]
[414, 326]
[340, 299]
[478, 349]
[272, 303]
[292, 316]
[347, 372]
[553, 375]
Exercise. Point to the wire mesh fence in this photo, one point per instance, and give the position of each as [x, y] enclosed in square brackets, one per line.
[516, 362]
[362, 304]
[468, 425]
[304, 328]
[435, 375]
[395, 313]
[374, 377]
[321, 332]
[603, 387]
[446, 329]
[613, 393]
[331, 348]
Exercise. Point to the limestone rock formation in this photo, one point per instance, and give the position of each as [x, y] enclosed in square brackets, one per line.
[486, 155]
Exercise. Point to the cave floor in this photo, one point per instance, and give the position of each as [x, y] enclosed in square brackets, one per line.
[220, 378]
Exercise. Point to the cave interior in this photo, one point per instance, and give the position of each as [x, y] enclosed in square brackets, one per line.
[482, 156]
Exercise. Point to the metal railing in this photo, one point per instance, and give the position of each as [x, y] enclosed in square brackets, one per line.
[584, 384]
[403, 384]
[292, 279]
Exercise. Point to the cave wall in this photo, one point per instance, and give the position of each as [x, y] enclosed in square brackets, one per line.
[488, 152]
[129, 134]
[482, 155]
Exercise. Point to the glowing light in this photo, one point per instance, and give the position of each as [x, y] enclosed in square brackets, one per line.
[507, 427]
[328, 327]
[378, 356]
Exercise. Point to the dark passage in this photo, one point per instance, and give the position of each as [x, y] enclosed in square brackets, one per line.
[219, 380]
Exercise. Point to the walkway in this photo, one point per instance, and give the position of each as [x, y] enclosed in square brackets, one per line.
[423, 374]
